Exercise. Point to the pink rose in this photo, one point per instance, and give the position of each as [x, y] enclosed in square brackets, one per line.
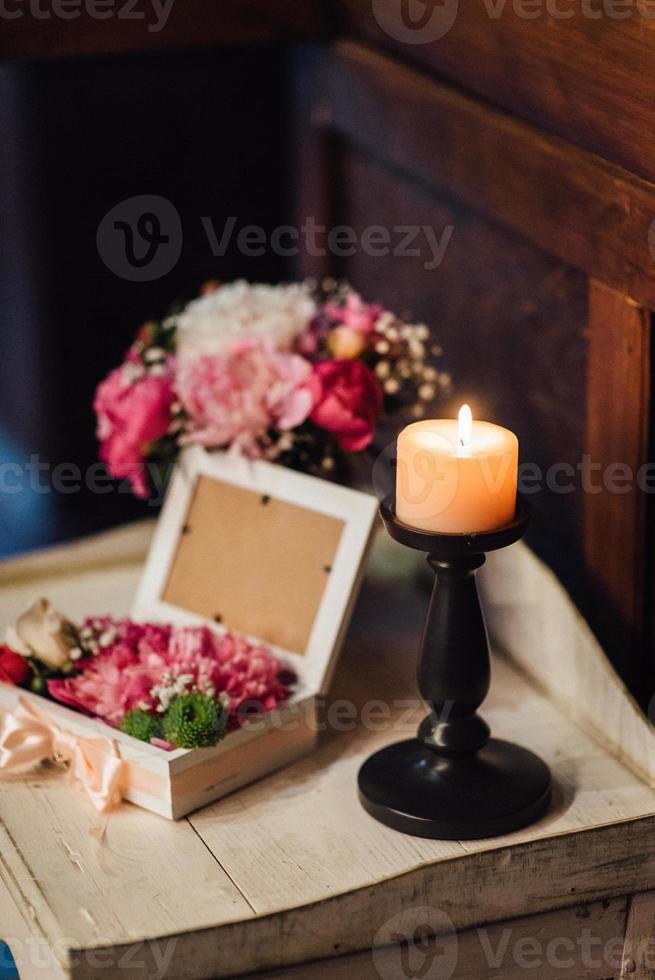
[349, 403]
[132, 413]
[354, 313]
[235, 397]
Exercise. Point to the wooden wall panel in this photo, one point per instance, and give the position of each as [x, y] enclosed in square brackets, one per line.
[618, 413]
[588, 75]
[568, 202]
[511, 320]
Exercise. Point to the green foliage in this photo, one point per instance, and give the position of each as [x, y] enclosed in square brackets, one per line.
[195, 721]
[139, 724]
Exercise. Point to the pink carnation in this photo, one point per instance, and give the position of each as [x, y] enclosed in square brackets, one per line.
[122, 675]
[234, 398]
[132, 414]
[139, 658]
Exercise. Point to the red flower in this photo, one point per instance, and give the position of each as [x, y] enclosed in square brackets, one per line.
[14, 669]
[349, 402]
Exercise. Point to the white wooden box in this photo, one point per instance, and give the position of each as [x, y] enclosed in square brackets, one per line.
[293, 569]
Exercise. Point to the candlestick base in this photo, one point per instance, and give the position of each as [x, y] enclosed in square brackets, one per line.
[452, 781]
[501, 788]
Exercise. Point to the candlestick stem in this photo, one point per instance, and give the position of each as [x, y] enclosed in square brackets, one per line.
[454, 668]
[453, 781]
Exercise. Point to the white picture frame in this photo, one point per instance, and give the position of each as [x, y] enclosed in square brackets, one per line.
[355, 509]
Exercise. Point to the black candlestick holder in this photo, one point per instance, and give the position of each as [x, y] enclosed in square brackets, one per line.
[454, 782]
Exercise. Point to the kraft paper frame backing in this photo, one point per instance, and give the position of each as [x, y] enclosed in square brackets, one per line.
[260, 549]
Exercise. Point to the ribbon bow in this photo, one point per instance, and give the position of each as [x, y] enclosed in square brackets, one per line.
[29, 735]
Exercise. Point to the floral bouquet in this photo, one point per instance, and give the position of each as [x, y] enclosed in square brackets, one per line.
[175, 687]
[288, 373]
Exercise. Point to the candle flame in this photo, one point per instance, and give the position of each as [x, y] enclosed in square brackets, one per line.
[465, 425]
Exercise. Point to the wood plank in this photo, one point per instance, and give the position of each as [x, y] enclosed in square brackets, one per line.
[638, 960]
[525, 879]
[567, 944]
[99, 28]
[146, 879]
[590, 213]
[532, 619]
[122, 546]
[618, 417]
[583, 70]
[105, 568]
[32, 955]
[311, 850]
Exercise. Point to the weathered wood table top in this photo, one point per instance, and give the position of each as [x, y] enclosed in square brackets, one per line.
[291, 869]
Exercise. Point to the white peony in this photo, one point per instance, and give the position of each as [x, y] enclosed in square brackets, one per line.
[242, 310]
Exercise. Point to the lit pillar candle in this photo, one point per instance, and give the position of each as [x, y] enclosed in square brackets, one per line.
[456, 475]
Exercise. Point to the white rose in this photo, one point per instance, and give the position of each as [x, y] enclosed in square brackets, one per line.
[241, 310]
[44, 633]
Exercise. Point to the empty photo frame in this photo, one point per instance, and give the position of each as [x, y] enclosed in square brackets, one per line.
[262, 550]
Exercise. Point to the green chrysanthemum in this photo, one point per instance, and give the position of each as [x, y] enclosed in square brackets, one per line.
[139, 724]
[195, 721]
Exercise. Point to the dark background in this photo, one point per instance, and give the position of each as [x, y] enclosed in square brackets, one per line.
[208, 131]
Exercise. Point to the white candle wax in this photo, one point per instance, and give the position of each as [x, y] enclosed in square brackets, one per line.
[456, 476]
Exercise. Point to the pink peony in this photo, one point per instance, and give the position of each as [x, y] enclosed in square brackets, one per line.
[354, 313]
[234, 398]
[132, 413]
[349, 403]
[139, 661]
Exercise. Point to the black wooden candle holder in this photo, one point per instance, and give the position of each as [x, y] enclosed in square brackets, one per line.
[453, 781]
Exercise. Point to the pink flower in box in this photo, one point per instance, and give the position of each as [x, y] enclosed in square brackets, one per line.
[144, 665]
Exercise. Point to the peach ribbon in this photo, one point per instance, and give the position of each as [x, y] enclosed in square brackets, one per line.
[29, 735]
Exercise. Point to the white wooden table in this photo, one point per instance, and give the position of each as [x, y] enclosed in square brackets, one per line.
[291, 870]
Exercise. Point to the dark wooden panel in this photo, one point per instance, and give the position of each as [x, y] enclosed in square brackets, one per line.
[590, 213]
[512, 323]
[139, 25]
[587, 75]
[618, 409]
[311, 151]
